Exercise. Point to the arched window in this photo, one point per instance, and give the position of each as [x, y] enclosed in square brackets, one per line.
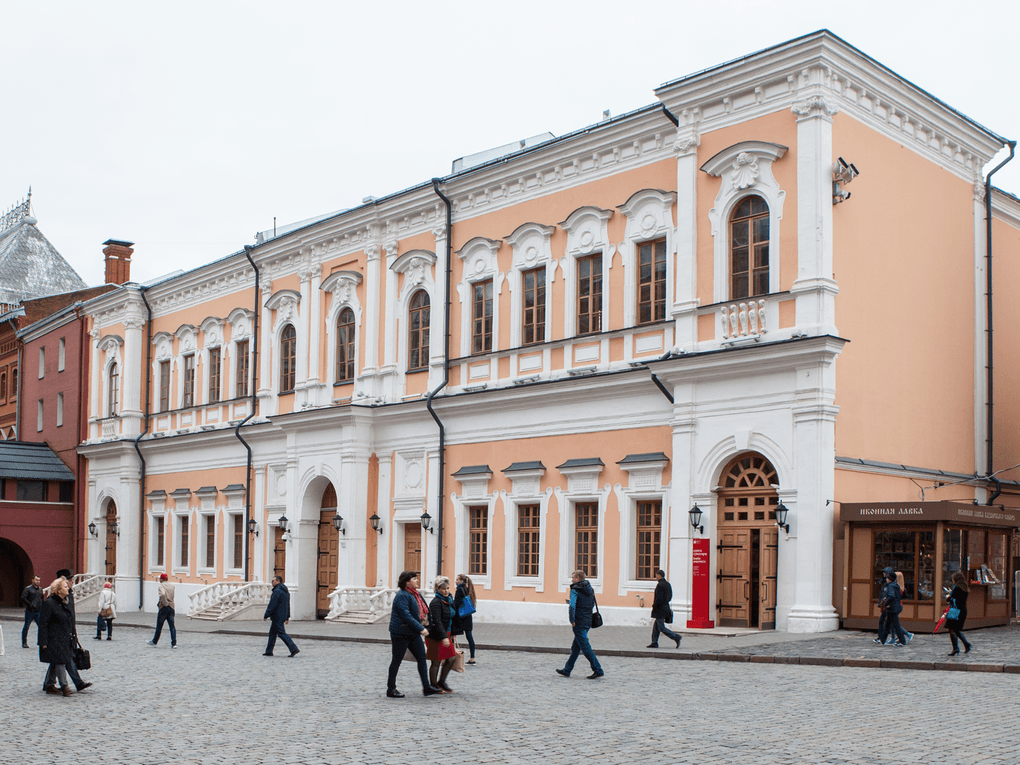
[288, 359]
[3, 386]
[418, 338]
[345, 346]
[113, 397]
[749, 249]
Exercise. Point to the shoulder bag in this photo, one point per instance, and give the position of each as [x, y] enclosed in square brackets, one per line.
[953, 612]
[82, 660]
[466, 608]
[596, 617]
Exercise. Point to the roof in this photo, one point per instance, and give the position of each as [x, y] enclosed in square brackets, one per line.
[646, 457]
[533, 465]
[31, 462]
[473, 470]
[31, 267]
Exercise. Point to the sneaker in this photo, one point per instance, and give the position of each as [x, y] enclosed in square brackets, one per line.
[149, 642]
[910, 636]
[880, 642]
[174, 646]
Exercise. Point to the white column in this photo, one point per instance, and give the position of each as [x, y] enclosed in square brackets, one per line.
[814, 287]
[95, 385]
[384, 540]
[685, 288]
[313, 395]
[374, 253]
[392, 319]
[437, 312]
[302, 325]
[679, 563]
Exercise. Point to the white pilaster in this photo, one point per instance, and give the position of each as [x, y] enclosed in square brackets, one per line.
[685, 288]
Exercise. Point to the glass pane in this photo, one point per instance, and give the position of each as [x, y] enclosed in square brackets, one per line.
[896, 549]
[952, 557]
[740, 260]
[995, 571]
[739, 234]
[975, 553]
[926, 566]
[761, 229]
[758, 206]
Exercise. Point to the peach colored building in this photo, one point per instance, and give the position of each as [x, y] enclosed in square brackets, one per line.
[552, 355]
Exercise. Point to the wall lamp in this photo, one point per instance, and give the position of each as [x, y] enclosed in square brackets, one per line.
[253, 527]
[781, 513]
[114, 527]
[695, 513]
[426, 522]
[283, 523]
[375, 521]
[92, 529]
[338, 523]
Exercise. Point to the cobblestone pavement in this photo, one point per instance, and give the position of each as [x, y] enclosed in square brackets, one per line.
[217, 700]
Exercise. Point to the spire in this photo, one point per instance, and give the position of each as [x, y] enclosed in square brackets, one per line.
[17, 213]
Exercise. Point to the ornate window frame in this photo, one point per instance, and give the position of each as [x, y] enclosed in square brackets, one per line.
[181, 514]
[480, 264]
[234, 509]
[285, 305]
[163, 343]
[418, 269]
[113, 348]
[644, 484]
[582, 486]
[532, 249]
[587, 234]
[241, 323]
[187, 344]
[213, 341]
[649, 215]
[156, 512]
[474, 482]
[342, 286]
[207, 513]
[526, 481]
[745, 169]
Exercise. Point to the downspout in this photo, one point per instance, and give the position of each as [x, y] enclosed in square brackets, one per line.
[145, 429]
[446, 377]
[990, 365]
[237, 428]
[83, 389]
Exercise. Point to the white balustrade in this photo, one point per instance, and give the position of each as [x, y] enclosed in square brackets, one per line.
[740, 320]
[228, 597]
[374, 601]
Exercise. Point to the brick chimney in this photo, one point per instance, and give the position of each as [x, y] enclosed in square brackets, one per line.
[118, 261]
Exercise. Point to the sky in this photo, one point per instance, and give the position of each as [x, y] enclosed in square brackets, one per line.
[186, 127]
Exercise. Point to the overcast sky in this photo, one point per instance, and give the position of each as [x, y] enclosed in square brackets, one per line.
[185, 127]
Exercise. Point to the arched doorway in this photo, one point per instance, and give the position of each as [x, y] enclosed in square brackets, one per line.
[111, 539]
[16, 572]
[748, 544]
[329, 552]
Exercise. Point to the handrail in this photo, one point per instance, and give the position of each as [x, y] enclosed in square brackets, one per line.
[229, 596]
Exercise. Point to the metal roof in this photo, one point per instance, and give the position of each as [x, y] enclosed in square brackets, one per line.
[533, 465]
[31, 267]
[31, 462]
[473, 470]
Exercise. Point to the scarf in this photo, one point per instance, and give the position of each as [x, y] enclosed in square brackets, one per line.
[423, 609]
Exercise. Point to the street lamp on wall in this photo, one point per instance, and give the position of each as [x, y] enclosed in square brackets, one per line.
[253, 527]
[781, 513]
[338, 523]
[92, 529]
[426, 522]
[375, 521]
[282, 523]
[695, 513]
[114, 527]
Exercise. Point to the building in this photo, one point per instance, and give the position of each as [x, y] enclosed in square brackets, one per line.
[561, 357]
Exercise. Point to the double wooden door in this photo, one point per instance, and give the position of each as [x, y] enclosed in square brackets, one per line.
[111, 539]
[747, 579]
[329, 561]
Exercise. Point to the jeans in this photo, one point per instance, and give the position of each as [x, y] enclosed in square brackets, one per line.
[471, 642]
[890, 622]
[660, 626]
[103, 623]
[401, 644]
[166, 614]
[30, 616]
[55, 671]
[278, 629]
[579, 646]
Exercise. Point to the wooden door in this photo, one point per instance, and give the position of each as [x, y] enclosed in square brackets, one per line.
[412, 547]
[280, 555]
[111, 539]
[769, 577]
[733, 588]
[329, 561]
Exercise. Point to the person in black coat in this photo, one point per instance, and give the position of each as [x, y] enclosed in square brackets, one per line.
[661, 612]
[958, 599]
[464, 625]
[279, 611]
[438, 641]
[56, 629]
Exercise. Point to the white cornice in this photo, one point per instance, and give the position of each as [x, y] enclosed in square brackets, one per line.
[823, 65]
[1006, 207]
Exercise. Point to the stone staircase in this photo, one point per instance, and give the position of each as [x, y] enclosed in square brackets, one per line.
[360, 605]
[229, 600]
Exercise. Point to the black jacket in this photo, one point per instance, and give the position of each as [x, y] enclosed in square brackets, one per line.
[56, 632]
[582, 602]
[958, 598]
[440, 618]
[279, 604]
[660, 604]
[32, 597]
[461, 624]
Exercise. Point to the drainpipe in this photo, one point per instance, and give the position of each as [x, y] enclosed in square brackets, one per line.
[145, 429]
[990, 367]
[237, 429]
[446, 378]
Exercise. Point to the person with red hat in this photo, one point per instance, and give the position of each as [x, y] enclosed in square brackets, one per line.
[166, 612]
[107, 612]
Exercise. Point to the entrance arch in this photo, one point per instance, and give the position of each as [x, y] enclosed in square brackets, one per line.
[748, 550]
[111, 539]
[16, 571]
[328, 568]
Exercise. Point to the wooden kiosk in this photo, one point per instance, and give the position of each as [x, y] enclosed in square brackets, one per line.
[927, 541]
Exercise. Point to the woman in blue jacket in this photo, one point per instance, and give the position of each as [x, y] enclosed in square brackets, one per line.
[406, 632]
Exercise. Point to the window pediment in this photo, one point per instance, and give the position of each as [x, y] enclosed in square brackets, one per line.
[530, 242]
[742, 163]
[479, 256]
[586, 230]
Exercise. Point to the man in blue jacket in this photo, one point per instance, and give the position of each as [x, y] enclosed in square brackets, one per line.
[279, 611]
[582, 602]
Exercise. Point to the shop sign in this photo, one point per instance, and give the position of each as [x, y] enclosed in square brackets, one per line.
[928, 512]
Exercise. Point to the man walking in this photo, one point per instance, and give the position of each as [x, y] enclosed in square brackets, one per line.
[279, 611]
[32, 597]
[661, 612]
[166, 611]
[582, 602]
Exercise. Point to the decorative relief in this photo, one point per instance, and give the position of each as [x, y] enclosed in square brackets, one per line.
[745, 170]
[815, 106]
[743, 320]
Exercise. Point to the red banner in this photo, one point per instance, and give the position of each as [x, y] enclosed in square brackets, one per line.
[700, 586]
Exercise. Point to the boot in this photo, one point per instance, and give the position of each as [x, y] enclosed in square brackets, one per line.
[442, 678]
[433, 673]
[956, 647]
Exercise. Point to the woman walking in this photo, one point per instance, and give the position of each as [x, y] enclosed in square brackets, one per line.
[958, 600]
[107, 612]
[463, 625]
[406, 633]
[439, 645]
[56, 626]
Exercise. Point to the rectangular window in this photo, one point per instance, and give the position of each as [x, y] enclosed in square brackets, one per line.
[61, 353]
[478, 556]
[210, 541]
[160, 541]
[238, 540]
[481, 313]
[39, 418]
[31, 491]
[586, 538]
[42, 362]
[185, 528]
[189, 381]
[60, 410]
[649, 531]
[913, 554]
[66, 491]
[652, 281]
[589, 294]
[164, 386]
[534, 306]
[214, 375]
[241, 370]
[527, 540]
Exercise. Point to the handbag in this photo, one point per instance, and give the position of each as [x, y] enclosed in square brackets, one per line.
[458, 661]
[436, 651]
[82, 660]
[596, 617]
[466, 608]
[953, 612]
[106, 613]
[669, 617]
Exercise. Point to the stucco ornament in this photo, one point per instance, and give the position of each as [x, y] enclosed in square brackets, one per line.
[286, 309]
[415, 273]
[212, 336]
[745, 170]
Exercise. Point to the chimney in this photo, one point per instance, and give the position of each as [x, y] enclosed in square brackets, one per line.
[118, 261]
